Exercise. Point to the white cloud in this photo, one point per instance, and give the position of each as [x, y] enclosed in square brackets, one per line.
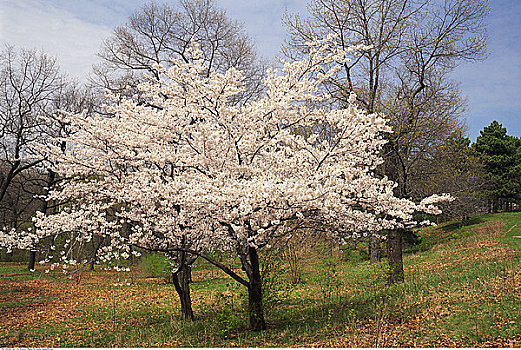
[37, 24]
[73, 30]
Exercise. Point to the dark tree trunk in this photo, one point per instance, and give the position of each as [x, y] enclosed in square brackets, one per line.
[181, 280]
[256, 311]
[495, 206]
[51, 175]
[7, 180]
[375, 250]
[189, 273]
[253, 282]
[396, 169]
[95, 249]
[394, 254]
[32, 259]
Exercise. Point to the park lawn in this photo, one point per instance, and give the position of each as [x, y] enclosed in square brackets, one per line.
[462, 289]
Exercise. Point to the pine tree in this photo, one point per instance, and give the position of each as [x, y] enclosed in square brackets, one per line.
[501, 157]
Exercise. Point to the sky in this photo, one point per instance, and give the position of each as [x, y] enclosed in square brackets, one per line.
[73, 30]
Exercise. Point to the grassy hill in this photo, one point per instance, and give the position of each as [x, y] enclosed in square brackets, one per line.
[463, 288]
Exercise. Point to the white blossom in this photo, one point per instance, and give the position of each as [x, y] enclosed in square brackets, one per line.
[192, 168]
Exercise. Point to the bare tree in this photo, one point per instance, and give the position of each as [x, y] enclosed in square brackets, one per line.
[408, 49]
[32, 91]
[158, 32]
[29, 84]
[453, 167]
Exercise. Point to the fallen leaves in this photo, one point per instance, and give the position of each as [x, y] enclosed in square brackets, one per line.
[148, 302]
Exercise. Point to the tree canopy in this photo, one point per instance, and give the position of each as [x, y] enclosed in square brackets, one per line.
[501, 156]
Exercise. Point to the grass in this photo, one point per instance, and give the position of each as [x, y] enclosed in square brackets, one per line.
[463, 288]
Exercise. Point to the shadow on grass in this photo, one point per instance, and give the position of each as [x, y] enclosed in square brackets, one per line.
[223, 323]
[459, 224]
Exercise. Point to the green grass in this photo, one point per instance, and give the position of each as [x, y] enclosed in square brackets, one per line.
[19, 272]
[12, 268]
[462, 289]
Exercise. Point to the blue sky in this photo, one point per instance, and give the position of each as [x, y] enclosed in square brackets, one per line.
[73, 30]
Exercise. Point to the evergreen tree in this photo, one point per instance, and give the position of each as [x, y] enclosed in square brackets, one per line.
[501, 157]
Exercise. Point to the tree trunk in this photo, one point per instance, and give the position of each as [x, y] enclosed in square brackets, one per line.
[7, 180]
[32, 259]
[394, 254]
[189, 273]
[96, 249]
[495, 206]
[51, 175]
[256, 311]
[375, 250]
[181, 280]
